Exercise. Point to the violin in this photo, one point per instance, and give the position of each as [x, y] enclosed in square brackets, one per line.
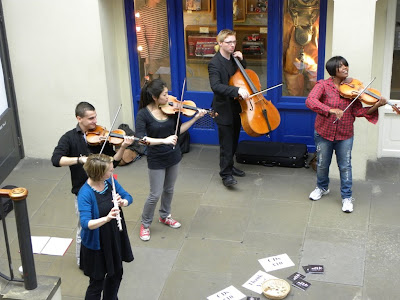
[187, 107]
[99, 135]
[259, 116]
[350, 89]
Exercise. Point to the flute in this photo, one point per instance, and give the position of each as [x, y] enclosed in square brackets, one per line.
[114, 196]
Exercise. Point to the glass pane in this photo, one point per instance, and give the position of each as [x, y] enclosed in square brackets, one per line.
[300, 46]
[3, 95]
[250, 21]
[200, 36]
[152, 39]
[395, 86]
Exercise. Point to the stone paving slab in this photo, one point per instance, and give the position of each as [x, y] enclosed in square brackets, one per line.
[382, 263]
[281, 217]
[222, 223]
[225, 231]
[145, 276]
[342, 252]
[192, 285]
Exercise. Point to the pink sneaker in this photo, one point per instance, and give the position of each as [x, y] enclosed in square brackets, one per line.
[144, 233]
[170, 222]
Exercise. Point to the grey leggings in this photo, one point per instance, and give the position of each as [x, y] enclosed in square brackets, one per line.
[162, 182]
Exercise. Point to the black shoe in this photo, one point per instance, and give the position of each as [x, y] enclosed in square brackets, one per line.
[237, 172]
[229, 181]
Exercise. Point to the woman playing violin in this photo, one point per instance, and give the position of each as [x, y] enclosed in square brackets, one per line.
[220, 69]
[163, 154]
[326, 101]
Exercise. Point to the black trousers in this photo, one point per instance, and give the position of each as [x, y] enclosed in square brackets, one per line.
[228, 140]
[108, 285]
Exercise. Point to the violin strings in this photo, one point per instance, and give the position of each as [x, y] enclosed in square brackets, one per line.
[359, 94]
[180, 107]
[112, 125]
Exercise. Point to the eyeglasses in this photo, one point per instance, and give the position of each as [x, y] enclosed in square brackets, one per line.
[230, 42]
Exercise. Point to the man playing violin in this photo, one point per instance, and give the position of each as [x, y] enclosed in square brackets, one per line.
[220, 69]
[72, 151]
[325, 99]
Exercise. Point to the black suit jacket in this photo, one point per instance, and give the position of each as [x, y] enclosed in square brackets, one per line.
[223, 102]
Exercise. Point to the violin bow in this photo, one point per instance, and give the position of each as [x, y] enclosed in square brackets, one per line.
[180, 108]
[114, 191]
[359, 94]
[263, 91]
[112, 125]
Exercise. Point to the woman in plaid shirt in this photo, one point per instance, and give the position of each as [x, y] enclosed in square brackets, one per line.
[325, 100]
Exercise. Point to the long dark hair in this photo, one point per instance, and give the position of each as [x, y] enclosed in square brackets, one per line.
[151, 89]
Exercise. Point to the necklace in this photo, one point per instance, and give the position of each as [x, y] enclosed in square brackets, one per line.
[97, 190]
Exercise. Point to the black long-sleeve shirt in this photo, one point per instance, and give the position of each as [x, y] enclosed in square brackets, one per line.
[73, 144]
[158, 156]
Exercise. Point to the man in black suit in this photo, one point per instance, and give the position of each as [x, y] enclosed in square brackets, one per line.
[220, 70]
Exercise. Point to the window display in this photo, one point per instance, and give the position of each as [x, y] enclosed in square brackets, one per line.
[300, 46]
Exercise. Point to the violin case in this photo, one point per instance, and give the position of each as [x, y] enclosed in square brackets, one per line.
[272, 154]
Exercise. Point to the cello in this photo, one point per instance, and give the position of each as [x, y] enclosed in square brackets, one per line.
[259, 116]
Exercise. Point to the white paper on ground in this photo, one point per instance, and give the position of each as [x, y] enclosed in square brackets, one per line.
[50, 245]
[230, 293]
[277, 262]
[255, 282]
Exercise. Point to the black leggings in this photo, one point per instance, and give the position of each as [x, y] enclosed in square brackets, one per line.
[108, 285]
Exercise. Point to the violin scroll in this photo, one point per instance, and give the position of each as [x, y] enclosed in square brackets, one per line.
[394, 107]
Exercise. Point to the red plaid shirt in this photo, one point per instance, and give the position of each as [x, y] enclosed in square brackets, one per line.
[325, 96]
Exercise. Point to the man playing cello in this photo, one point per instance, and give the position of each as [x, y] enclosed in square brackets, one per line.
[220, 69]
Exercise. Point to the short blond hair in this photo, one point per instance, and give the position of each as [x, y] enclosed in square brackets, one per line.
[96, 166]
[224, 33]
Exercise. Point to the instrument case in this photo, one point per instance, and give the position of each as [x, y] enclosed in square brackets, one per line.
[272, 154]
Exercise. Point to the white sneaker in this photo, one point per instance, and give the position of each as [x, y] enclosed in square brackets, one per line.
[347, 205]
[318, 193]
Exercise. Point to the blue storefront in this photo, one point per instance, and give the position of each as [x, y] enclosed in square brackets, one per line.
[283, 41]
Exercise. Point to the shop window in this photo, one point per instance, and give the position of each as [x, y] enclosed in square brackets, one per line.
[395, 85]
[200, 40]
[250, 21]
[300, 46]
[152, 40]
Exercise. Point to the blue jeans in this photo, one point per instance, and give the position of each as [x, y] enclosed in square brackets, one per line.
[343, 157]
